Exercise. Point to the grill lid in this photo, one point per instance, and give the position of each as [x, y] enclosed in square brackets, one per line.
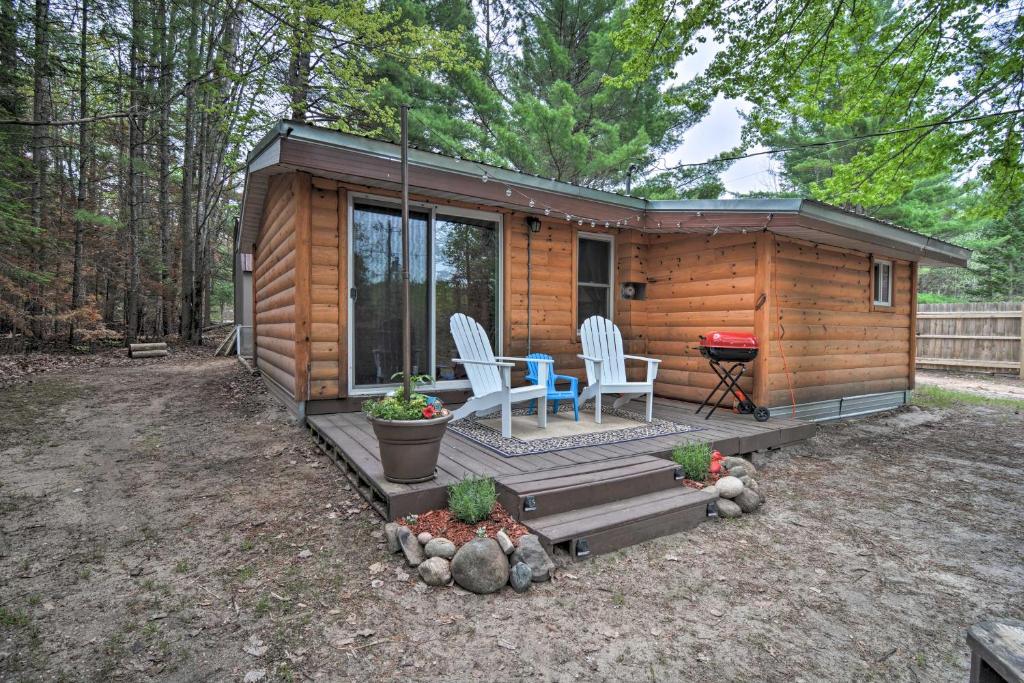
[729, 340]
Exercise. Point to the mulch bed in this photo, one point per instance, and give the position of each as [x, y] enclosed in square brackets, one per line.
[441, 523]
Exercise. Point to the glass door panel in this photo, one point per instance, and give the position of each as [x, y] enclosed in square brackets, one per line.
[377, 283]
[466, 281]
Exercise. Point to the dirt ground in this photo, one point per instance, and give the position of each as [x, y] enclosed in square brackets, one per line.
[153, 514]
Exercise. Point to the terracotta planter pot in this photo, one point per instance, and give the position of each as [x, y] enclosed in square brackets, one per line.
[409, 448]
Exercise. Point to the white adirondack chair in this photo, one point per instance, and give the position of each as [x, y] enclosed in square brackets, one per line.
[490, 376]
[606, 367]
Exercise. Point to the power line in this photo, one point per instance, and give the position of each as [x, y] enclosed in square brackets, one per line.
[854, 138]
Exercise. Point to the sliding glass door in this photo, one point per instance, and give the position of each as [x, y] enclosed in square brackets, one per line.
[454, 268]
[376, 321]
[465, 281]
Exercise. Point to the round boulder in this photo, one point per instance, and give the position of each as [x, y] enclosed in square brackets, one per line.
[520, 577]
[736, 461]
[748, 500]
[480, 566]
[424, 537]
[729, 487]
[435, 571]
[728, 509]
[439, 547]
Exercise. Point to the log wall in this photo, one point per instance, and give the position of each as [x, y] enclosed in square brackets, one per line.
[274, 285]
[696, 284]
[827, 338]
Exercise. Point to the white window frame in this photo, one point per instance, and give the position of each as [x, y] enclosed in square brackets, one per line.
[597, 237]
[433, 210]
[875, 299]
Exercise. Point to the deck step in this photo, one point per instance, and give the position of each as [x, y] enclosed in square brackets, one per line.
[549, 492]
[603, 528]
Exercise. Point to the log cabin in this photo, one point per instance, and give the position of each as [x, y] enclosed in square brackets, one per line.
[830, 294]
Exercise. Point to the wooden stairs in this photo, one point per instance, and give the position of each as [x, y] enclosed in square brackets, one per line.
[602, 506]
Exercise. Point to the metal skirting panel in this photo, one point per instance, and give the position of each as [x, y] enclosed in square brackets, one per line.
[847, 407]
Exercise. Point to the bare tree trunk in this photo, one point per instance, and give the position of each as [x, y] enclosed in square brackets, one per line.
[134, 178]
[166, 252]
[84, 154]
[40, 109]
[187, 218]
[298, 74]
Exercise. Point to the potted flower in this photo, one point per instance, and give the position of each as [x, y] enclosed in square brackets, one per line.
[409, 432]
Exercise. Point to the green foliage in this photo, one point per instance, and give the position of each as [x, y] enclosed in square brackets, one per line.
[472, 499]
[395, 407]
[694, 458]
[834, 70]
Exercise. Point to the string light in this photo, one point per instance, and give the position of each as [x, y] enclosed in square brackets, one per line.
[484, 178]
[508, 191]
[547, 212]
[532, 203]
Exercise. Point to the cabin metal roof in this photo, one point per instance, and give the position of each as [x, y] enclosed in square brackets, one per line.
[294, 146]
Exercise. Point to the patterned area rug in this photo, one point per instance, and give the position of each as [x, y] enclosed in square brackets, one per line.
[617, 425]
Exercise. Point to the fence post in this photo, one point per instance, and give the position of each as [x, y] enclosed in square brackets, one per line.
[1021, 333]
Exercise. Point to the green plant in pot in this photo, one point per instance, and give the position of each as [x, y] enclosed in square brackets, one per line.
[409, 431]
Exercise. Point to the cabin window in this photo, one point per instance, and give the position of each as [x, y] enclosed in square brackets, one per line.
[593, 277]
[882, 283]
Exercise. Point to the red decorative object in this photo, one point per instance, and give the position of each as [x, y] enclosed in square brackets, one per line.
[429, 411]
[717, 456]
[716, 467]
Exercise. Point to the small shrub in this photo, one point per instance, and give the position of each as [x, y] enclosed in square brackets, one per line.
[472, 499]
[694, 458]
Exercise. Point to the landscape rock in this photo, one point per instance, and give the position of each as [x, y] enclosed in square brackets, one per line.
[480, 566]
[435, 571]
[505, 542]
[391, 532]
[913, 409]
[520, 577]
[424, 537]
[746, 479]
[410, 546]
[729, 487]
[755, 486]
[533, 554]
[440, 547]
[738, 471]
[736, 461]
[728, 509]
[748, 500]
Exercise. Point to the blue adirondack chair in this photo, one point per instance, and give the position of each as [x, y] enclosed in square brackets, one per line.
[554, 394]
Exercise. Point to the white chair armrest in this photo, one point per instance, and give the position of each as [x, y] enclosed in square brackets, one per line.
[592, 359]
[644, 358]
[526, 360]
[464, 361]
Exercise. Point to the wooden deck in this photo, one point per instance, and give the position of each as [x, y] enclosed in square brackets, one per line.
[609, 495]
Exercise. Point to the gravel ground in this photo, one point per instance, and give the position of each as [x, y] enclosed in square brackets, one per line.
[152, 517]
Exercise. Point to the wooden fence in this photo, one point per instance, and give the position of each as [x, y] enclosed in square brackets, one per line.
[984, 337]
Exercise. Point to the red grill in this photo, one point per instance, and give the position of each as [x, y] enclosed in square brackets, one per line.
[729, 346]
[736, 348]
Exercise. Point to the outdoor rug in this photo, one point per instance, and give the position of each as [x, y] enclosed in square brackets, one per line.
[563, 432]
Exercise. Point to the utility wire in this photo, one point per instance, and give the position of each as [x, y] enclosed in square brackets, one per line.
[854, 138]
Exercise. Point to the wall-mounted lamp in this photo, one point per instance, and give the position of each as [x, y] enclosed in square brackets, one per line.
[533, 223]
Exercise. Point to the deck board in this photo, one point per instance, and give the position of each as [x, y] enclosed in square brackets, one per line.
[352, 439]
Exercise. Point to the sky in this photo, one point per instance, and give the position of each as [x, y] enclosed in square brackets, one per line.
[719, 131]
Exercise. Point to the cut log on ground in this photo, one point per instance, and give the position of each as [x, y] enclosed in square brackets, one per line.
[150, 354]
[149, 350]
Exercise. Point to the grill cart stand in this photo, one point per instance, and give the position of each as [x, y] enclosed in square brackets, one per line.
[739, 348]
